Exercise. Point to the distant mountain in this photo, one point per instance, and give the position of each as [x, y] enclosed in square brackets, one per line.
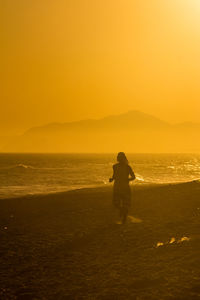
[188, 126]
[128, 121]
[133, 131]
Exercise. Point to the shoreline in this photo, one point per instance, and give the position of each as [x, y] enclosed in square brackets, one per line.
[133, 186]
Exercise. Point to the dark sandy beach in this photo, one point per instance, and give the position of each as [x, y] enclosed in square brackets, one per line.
[67, 245]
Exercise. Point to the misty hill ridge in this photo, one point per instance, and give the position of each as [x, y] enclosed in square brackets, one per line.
[133, 131]
[128, 121]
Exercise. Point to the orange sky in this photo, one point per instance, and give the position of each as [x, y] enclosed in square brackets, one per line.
[67, 60]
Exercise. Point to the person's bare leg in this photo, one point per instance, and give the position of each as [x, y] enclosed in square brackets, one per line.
[120, 215]
[124, 216]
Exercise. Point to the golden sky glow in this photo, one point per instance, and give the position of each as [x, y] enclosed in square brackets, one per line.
[76, 59]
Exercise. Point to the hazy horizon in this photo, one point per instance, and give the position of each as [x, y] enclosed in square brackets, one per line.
[131, 132]
[13, 131]
[72, 60]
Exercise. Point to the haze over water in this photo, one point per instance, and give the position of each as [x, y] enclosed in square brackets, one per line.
[22, 174]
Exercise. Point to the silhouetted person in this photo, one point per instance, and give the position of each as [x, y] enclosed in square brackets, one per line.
[122, 174]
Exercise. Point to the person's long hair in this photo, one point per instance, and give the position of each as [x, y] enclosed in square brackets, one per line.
[121, 158]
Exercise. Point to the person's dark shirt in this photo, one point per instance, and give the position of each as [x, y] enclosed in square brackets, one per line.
[122, 173]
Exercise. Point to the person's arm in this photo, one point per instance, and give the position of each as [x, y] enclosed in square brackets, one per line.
[132, 175]
[113, 177]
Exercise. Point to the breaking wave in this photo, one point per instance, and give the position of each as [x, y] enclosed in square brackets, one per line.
[19, 166]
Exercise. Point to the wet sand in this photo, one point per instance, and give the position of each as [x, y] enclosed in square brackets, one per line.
[68, 245]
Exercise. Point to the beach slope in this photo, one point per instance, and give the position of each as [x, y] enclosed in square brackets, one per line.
[68, 245]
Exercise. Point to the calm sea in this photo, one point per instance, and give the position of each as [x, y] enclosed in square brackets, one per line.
[22, 174]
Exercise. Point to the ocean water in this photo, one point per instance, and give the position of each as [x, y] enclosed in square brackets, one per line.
[22, 174]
